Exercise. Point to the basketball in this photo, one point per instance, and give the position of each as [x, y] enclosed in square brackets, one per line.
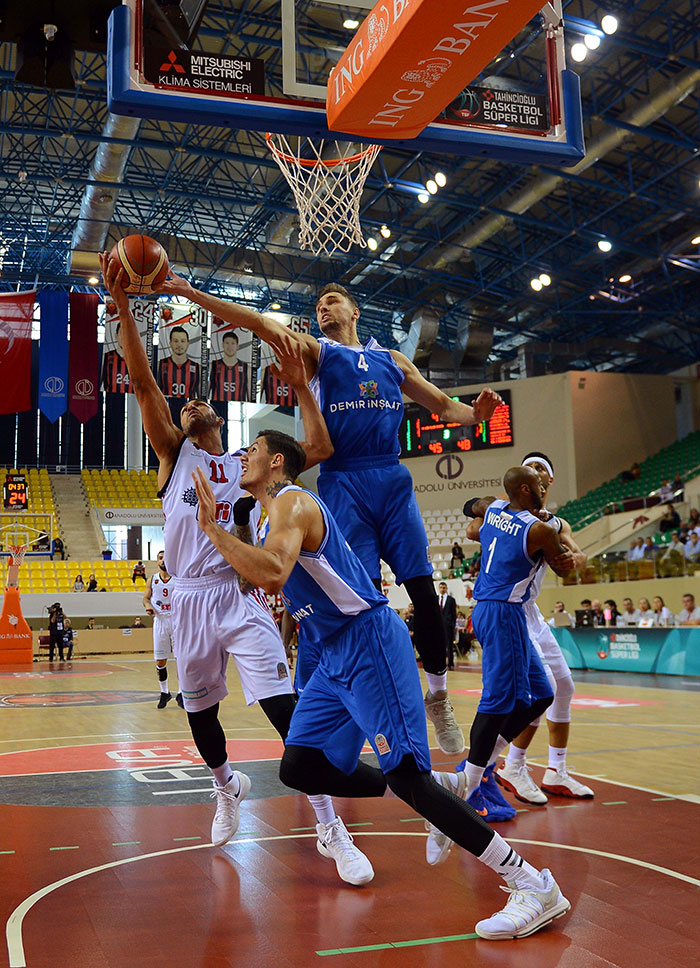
[144, 262]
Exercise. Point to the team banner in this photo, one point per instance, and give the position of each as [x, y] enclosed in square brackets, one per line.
[115, 376]
[83, 356]
[180, 337]
[231, 373]
[53, 354]
[272, 389]
[16, 311]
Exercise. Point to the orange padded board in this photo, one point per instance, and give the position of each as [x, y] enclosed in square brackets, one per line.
[410, 58]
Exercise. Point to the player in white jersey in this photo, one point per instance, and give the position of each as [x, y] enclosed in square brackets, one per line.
[215, 614]
[157, 600]
[515, 775]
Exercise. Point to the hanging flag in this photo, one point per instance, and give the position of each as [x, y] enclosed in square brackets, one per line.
[16, 310]
[53, 354]
[83, 355]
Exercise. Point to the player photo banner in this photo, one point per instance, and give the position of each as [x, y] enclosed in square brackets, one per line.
[232, 363]
[83, 356]
[180, 339]
[53, 354]
[115, 375]
[273, 390]
[16, 311]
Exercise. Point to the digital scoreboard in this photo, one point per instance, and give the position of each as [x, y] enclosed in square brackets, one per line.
[14, 493]
[423, 433]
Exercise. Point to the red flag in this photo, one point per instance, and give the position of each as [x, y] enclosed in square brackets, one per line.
[16, 310]
[83, 356]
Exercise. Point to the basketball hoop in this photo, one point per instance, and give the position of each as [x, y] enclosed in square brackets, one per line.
[327, 191]
[17, 553]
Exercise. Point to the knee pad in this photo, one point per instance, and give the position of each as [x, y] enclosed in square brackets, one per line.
[560, 710]
[299, 766]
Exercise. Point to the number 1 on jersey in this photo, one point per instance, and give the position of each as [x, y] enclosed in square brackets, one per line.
[491, 549]
[362, 363]
[217, 475]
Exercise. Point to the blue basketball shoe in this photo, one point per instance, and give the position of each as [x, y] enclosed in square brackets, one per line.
[490, 791]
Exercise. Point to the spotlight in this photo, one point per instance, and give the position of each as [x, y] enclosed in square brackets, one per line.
[372, 243]
[431, 186]
[545, 279]
[608, 24]
[423, 197]
[592, 41]
[695, 241]
[578, 52]
[440, 179]
[93, 280]
[385, 232]
[627, 277]
[275, 306]
[604, 245]
[351, 24]
[536, 284]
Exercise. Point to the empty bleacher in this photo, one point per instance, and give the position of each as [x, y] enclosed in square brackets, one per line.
[57, 577]
[119, 488]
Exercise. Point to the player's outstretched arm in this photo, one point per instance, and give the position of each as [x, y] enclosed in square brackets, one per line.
[292, 370]
[147, 597]
[432, 398]
[542, 537]
[157, 422]
[269, 330]
[270, 566]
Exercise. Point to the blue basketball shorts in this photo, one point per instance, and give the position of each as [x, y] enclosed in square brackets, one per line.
[308, 657]
[366, 686]
[378, 514]
[511, 670]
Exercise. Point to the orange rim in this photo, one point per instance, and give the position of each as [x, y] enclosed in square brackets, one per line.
[312, 162]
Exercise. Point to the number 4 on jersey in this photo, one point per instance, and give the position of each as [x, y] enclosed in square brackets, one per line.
[362, 363]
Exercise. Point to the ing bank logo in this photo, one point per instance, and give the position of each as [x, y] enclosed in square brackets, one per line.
[449, 466]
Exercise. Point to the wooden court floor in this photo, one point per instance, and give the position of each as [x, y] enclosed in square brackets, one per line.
[105, 862]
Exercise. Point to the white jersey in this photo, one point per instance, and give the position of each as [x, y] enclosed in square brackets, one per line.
[188, 551]
[161, 595]
[536, 584]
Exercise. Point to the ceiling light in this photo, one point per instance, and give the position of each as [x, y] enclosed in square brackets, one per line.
[609, 24]
[431, 186]
[578, 52]
[372, 243]
[275, 306]
[545, 279]
[592, 41]
[591, 298]
[604, 245]
[93, 280]
[695, 241]
[626, 278]
[423, 197]
[385, 232]
[351, 24]
[440, 179]
[536, 284]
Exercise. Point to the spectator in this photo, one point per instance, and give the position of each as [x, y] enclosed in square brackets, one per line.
[68, 639]
[107, 554]
[560, 609]
[91, 624]
[672, 561]
[636, 552]
[78, 584]
[629, 614]
[633, 474]
[57, 621]
[663, 615]
[408, 619]
[693, 521]
[678, 487]
[138, 572]
[669, 520]
[598, 613]
[92, 583]
[665, 492]
[448, 610]
[690, 613]
[651, 550]
[610, 611]
[137, 623]
[646, 615]
[692, 548]
[457, 556]
[57, 548]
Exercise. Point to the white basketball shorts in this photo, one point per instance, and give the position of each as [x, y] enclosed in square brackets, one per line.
[162, 636]
[213, 619]
[543, 639]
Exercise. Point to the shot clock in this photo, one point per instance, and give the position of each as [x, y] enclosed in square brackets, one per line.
[14, 493]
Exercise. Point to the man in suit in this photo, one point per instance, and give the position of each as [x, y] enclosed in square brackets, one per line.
[448, 610]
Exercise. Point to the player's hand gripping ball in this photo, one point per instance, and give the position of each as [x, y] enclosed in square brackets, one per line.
[144, 262]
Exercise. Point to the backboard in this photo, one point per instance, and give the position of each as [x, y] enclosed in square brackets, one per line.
[273, 71]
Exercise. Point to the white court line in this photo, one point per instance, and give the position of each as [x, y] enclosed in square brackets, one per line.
[629, 786]
[13, 931]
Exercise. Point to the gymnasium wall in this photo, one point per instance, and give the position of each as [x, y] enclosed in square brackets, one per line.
[592, 425]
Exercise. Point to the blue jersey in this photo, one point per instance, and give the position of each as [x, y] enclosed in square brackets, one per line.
[329, 587]
[507, 570]
[358, 389]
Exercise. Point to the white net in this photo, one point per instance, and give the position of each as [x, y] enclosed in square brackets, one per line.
[17, 553]
[327, 191]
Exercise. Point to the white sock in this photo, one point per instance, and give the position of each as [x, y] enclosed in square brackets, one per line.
[164, 685]
[224, 774]
[498, 749]
[323, 808]
[509, 865]
[447, 780]
[516, 756]
[557, 758]
[437, 683]
[474, 775]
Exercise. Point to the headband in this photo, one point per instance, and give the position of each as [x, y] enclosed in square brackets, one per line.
[539, 460]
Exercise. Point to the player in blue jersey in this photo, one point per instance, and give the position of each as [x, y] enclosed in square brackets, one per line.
[359, 388]
[366, 683]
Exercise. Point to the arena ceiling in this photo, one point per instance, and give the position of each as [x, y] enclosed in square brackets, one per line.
[226, 217]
